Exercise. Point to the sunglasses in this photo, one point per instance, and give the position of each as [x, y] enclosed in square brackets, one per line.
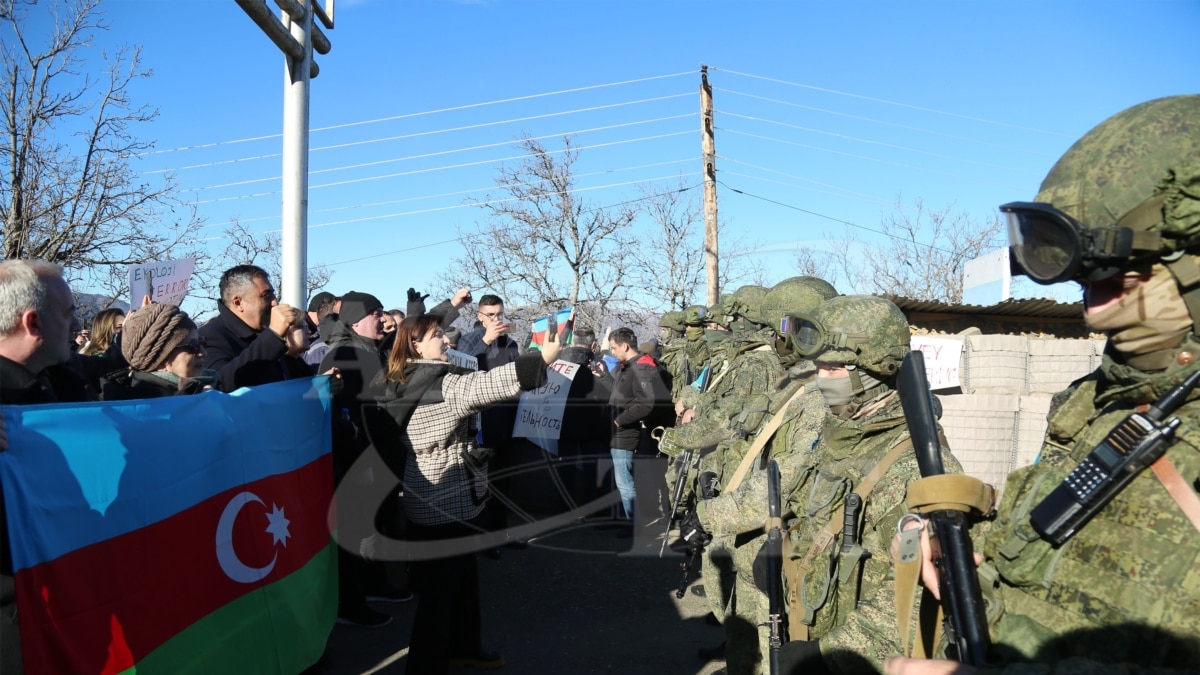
[195, 346]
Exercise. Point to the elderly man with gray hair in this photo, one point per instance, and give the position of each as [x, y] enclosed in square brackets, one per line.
[37, 320]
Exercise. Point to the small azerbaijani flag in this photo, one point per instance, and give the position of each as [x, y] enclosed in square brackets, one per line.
[185, 534]
[565, 320]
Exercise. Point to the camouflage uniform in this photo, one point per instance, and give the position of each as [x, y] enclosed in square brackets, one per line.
[1122, 595]
[686, 358]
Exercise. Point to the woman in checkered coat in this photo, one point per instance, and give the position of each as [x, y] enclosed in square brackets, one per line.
[445, 481]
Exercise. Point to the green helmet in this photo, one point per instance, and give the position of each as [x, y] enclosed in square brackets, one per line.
[672, 320]
[866, 331]
[1125, 194]
[694, 315]
[797, 295]
[1119, 164]
[750, 294]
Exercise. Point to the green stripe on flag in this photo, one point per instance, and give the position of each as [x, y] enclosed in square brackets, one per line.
[280, 628]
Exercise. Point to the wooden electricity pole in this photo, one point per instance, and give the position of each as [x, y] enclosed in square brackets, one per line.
[708, 146]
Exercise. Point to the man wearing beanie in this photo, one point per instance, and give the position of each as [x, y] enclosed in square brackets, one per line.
[354, 350]
[164, 352]
[254, 339]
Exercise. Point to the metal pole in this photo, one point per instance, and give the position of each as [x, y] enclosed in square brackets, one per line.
[294, 277]
[708, 146]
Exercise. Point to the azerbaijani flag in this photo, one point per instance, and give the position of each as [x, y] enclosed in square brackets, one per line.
[565, 320]
[185, 534]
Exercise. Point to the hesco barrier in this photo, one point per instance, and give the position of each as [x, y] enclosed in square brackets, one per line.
[998, 421]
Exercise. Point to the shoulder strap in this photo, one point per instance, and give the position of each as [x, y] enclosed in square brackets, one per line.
[795, 571]
[764, 436]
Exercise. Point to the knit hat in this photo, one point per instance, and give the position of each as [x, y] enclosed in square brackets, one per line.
[151, 333]
[356, 306]
[315, 304]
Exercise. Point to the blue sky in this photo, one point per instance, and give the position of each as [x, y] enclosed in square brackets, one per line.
[833, 108]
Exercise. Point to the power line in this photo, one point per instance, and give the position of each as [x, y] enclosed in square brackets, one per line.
[443, 152]
[449, 194]
[443, 168]
[841, 190]
[419, 134]
[480, 234]
[836, 220]
[863, 140]
[427, 112]
[878, 121]
[895, 103]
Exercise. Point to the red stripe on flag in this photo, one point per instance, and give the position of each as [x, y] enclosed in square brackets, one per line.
[123, 597]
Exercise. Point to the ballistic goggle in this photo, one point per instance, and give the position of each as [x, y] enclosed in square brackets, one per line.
[1050, 246]
[808, 337]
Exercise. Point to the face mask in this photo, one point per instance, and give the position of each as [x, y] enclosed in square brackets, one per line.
[1149, 318]
[836, 390]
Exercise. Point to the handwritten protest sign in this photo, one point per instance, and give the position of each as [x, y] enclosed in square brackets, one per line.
[165, 282]
[941, 359]
[540, 411]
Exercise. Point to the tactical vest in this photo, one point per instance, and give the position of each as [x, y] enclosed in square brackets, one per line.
[1129, 580]
[823, 586]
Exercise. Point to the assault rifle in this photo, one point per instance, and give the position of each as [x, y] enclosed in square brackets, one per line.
[774, 556]
[952, 552]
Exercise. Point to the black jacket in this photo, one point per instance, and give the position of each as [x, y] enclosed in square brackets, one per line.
[360, 363]
[244, 357]
[496, 422]
[637, 390]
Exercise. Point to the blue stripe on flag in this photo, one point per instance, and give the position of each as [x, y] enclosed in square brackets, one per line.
[105, 469]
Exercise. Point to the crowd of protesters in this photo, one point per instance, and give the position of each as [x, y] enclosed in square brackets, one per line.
[448, 436]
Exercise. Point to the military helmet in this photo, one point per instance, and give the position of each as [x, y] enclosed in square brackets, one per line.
[797, 295]
[694, 315]
[672, 320]
[1122, 192]
[750, 294]
[866, 331]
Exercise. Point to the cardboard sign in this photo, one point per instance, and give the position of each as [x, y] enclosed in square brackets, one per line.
[941, 359]
[540, 411]
[165, 282]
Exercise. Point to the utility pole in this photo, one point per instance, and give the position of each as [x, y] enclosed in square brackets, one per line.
[296, 35]
[708, 147]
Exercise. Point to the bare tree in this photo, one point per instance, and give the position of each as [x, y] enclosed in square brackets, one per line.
[541, 246]
[668, 263]
[921, 257]
[70, 193]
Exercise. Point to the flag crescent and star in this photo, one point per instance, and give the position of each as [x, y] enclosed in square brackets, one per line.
[231, 564]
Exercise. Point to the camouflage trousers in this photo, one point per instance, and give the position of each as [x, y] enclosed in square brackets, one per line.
[728, 576]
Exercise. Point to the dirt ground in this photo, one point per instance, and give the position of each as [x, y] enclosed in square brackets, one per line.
[586, 598]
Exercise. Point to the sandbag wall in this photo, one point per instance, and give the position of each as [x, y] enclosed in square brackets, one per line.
[997, 423]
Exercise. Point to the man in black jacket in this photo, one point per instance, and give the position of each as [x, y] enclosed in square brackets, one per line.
[638, 392]
[254, 339]
[37, 320]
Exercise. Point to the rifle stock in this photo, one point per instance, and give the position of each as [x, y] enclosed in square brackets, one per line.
[952, 551]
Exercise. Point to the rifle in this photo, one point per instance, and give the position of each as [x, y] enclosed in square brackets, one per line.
[952, 552]
[683, 468]
[774, 556]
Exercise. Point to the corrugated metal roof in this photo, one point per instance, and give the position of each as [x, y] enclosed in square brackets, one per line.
[1015, 308]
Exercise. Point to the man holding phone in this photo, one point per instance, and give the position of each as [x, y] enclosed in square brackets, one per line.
[492, 346]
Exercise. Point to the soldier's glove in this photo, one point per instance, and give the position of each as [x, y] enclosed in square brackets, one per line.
[708, 485]
[692, 532]
[803, 657]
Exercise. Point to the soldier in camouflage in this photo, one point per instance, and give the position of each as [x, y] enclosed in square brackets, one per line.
[1122, 595]
[841, 611]
[762, 379]
[686, 361]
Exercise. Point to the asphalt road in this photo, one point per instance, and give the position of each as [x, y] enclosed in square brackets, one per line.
[586, 598]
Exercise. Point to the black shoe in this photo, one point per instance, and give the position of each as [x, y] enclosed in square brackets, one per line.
[712, 620]
[389, 594]
[484, 660]
[711, 653]
[491, 553]
[364, 617]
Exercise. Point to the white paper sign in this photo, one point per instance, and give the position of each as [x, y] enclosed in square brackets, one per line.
[941, 359]
[165, 282]
[462, 359]
[540, 411]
